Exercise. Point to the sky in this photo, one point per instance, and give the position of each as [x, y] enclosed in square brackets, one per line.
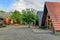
[5, 4]
[10, 5]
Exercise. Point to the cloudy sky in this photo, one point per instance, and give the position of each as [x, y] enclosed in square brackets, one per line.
[9, 5]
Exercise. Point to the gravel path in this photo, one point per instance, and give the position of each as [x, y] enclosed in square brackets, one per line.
[24, 33]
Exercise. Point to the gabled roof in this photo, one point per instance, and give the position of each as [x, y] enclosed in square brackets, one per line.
[53, 9]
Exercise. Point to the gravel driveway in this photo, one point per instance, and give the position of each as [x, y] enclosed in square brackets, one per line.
[24, 33]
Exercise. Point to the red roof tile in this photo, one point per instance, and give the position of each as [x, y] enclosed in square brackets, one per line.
[54, 12]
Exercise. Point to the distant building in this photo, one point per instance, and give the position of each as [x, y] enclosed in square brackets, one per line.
[40, 15]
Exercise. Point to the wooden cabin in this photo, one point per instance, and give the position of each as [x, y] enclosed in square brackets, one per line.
[51, 15]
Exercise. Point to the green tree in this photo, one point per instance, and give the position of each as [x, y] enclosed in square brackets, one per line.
[29, 16]
[2, 11]
[17, 16]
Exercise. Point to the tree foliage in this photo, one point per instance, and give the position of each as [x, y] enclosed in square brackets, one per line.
[29, 16]
[25, 16]
[16, 15]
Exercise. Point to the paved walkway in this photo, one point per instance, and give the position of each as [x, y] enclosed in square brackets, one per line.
[24, 33]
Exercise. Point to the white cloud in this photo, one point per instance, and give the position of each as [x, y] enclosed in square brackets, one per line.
[22, 4]
[18, 5]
